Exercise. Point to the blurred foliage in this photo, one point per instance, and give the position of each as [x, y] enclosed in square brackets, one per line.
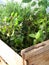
[22, 27]
[33, 3]
[26, 1]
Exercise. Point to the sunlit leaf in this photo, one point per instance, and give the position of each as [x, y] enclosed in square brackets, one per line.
[15, 22]
[12, 13]
[38, 34]
[32, 35]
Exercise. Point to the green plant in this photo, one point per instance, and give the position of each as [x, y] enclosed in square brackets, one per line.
[22, 27]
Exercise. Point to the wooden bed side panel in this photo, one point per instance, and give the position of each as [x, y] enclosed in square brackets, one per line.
[37, 55]
[41, 59]
[10, 56]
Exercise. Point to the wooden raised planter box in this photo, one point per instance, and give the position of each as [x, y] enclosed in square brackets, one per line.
[34, 55]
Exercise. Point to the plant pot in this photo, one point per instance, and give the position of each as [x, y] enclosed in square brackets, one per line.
[34, 55]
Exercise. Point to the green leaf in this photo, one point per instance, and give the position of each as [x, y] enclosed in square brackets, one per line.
[38, 34]
[36, 9]
[12, 13]
[48, 29]
[32, 35]
[47, 3]
[15, 14]
[26, 1]
[5, 19]
[33, 3]
[4, 30]
[15, 22]
[42, 3]
[20, 18]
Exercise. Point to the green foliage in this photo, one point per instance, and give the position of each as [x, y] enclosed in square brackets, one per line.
[23, 27]
[26, 1]
[33, 3]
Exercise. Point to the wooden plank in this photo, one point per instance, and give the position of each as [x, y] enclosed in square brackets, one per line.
[10, 56]
[2, 62]
[37, 55]
[41, 59]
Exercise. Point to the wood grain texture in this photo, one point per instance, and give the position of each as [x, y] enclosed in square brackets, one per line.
[10, 56]
[37, 55]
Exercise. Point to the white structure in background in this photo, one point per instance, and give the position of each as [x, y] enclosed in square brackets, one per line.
[4, 1]
[47, 10]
